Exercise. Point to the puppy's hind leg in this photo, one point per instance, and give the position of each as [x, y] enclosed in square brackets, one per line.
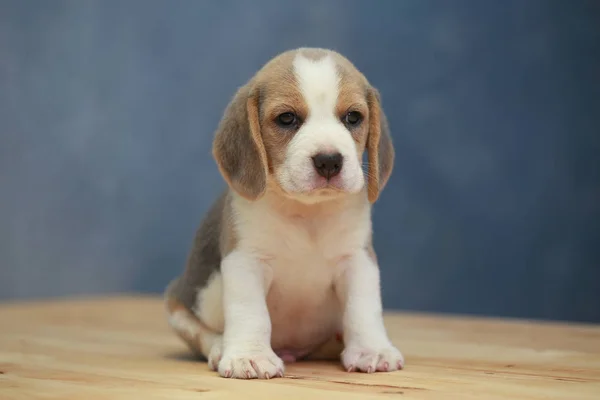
[201, 340]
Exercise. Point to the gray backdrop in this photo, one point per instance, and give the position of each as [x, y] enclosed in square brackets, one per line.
[107, 111]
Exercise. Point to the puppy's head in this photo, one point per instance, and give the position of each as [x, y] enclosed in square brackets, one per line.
[301, 127]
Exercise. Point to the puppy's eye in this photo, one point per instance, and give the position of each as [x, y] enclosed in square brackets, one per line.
[287, 119]
[352, 118]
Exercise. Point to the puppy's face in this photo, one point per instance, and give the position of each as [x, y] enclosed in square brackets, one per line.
[301, 126]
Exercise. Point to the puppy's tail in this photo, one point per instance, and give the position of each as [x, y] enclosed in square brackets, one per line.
[186, 324]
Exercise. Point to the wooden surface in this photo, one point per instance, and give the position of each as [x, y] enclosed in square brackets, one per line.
[121, 348]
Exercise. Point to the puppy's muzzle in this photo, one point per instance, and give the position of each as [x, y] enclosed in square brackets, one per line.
[328, 165]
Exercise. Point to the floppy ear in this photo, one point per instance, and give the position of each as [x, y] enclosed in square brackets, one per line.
[379, 146]
[238, 147]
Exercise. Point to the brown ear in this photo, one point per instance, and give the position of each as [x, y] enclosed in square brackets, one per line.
[238, 147]
[379, 147]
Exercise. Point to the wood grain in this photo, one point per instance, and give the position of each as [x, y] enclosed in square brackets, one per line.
[121, 348]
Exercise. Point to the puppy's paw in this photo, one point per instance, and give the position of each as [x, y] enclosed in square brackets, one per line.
[366, 359]
[262, 364]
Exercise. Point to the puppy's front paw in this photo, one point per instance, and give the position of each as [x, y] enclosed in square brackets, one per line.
[365, 359]
[262, 364]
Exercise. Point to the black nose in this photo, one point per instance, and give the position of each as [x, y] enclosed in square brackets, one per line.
[328, 165]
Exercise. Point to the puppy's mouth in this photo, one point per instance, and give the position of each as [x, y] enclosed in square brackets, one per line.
[321, 188]
[334, 184]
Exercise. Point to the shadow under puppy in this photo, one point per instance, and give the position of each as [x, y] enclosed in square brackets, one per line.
[283, 266]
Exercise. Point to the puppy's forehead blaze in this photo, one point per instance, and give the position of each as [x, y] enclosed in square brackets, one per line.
[319, 81]
[308, 81]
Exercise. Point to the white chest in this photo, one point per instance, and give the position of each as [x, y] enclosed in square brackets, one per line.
[302, 257]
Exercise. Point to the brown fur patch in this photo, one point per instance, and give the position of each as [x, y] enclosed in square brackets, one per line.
[380, 147]
[279, 93]
[314, 54]
[228, 238]
[238, 148]
[213, 240]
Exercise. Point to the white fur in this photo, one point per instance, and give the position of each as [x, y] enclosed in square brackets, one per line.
[209, 303]
[247, 352]
[321, 132]
[367, 345]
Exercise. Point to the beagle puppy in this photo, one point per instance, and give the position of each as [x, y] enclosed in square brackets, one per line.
[282, 267]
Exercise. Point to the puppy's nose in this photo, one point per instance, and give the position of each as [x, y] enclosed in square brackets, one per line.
[328, 165]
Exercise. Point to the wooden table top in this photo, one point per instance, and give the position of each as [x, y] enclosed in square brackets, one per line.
[122, 348]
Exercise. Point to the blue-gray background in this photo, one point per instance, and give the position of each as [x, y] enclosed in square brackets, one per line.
[107, 111]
